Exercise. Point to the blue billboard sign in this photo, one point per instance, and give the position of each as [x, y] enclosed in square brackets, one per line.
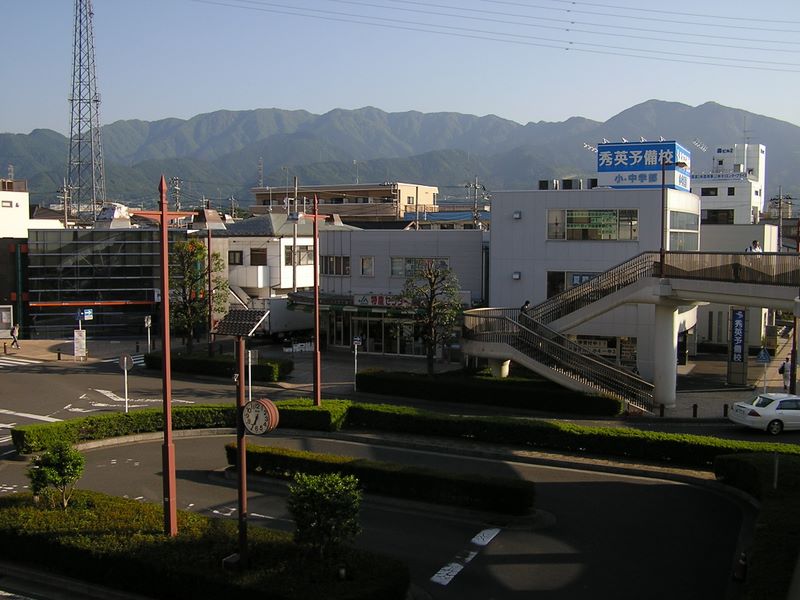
[640, 164]
[737, 335]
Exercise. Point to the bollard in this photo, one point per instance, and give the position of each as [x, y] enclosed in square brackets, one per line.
[694, 411]
[724, 410]
[660, 410]
[137, 347]
[59, 355]
[5, 347]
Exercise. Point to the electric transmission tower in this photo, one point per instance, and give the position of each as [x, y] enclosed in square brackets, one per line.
[85, 176]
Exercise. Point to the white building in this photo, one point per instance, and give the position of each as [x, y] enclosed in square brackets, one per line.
[546, 241]
[363, 273]
[731, 188]
[14, 209]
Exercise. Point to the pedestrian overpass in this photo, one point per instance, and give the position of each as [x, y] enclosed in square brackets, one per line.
[668, 280]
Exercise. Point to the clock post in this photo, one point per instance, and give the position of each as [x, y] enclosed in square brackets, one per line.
[241, 324]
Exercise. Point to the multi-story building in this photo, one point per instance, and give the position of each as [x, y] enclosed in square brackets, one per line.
[731, 189]
[387, 201]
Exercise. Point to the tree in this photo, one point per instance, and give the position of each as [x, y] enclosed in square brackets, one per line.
[188, 283]
[431, 291]
[59, 467]
[325, 511]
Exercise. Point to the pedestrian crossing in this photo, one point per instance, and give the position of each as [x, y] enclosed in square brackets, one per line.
[12, 361]
[138, 360]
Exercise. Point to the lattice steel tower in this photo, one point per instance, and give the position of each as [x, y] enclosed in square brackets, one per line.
[86, 176]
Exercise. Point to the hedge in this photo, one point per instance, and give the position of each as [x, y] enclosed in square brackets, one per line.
[221, 365]
[502, 495]
[672, 448]
[464, 387]
[120, 543]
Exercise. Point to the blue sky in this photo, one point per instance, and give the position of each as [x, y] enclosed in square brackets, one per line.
[523, 60]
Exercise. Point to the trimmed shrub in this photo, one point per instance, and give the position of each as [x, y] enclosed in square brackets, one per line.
[464, 387]
[59, 467]
[325, 511]
[502, 495]
[221, 365]
[113, 541]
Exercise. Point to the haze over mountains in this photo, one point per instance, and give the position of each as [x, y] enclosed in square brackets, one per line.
[216, 155]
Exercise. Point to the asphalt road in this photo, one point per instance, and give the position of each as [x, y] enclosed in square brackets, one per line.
[596, 535]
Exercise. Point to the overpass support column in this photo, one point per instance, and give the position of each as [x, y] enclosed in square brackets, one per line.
[499, 367]
[665, 350]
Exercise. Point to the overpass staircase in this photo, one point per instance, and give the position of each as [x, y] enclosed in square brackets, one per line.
[532, 338]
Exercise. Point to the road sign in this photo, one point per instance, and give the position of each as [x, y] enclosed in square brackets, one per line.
[126, 362]
[88, 314]
[763, 356]
[357, 340]
[148, 321]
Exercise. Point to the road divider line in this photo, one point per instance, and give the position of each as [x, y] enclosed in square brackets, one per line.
[448, 572]
[4, 411]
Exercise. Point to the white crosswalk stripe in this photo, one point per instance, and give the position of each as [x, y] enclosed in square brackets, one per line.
[138, 359]
[11, 361]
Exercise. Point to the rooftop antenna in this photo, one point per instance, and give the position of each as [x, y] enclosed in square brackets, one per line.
[260, 171]
[85, 172]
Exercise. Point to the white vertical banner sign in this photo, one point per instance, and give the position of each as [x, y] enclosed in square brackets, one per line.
[79, 344]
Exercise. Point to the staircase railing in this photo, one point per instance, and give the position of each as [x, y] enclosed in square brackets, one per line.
[528, 332]
[555, 351]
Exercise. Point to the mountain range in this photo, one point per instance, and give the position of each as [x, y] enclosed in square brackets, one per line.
[216, 155]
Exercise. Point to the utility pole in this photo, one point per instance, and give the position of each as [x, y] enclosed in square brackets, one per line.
[476, 222]
[176, 191]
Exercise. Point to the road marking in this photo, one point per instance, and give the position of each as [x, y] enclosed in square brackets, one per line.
[29, 416]
[112, 396]
[138, 359]
[224, 514]
[448, 572]
[17, 362]
[5, 439]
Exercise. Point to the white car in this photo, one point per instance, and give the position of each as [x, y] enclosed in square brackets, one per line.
[769, 412]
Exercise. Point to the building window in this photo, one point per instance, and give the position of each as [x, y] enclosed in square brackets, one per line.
[716, 216]
[7, 204]
[586, 224]
[305, 255]
[404, 266]
[410, 200]
[684, 241]
[683, 220]
[555, 224]
[235, 257]
[708, 191]
[731, 191]
[335, 265]
[368, 266]
[258, 257]
[628, 225]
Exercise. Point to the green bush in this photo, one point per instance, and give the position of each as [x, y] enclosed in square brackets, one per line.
[221, 365]
[325, 512]
[114, 541]
[465, 387]
[59, 467]
[502, 495]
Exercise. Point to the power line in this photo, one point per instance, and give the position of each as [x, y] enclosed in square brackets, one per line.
[517, 39]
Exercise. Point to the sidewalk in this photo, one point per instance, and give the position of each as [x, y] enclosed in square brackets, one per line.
[701, 383]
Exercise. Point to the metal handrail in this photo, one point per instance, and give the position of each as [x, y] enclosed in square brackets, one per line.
[558, 353]
[528, 332]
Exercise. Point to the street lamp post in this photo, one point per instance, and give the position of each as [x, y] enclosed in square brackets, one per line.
[317, 362]
[664, 220]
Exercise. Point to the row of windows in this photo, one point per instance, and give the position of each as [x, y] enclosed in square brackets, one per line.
[591, 224]
[401, 266]
[258, 256]
[712, 191]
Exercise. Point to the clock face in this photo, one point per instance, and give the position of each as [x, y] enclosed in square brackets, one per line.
[256, 417]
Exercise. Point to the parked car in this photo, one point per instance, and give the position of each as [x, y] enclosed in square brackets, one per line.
[769, 412]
